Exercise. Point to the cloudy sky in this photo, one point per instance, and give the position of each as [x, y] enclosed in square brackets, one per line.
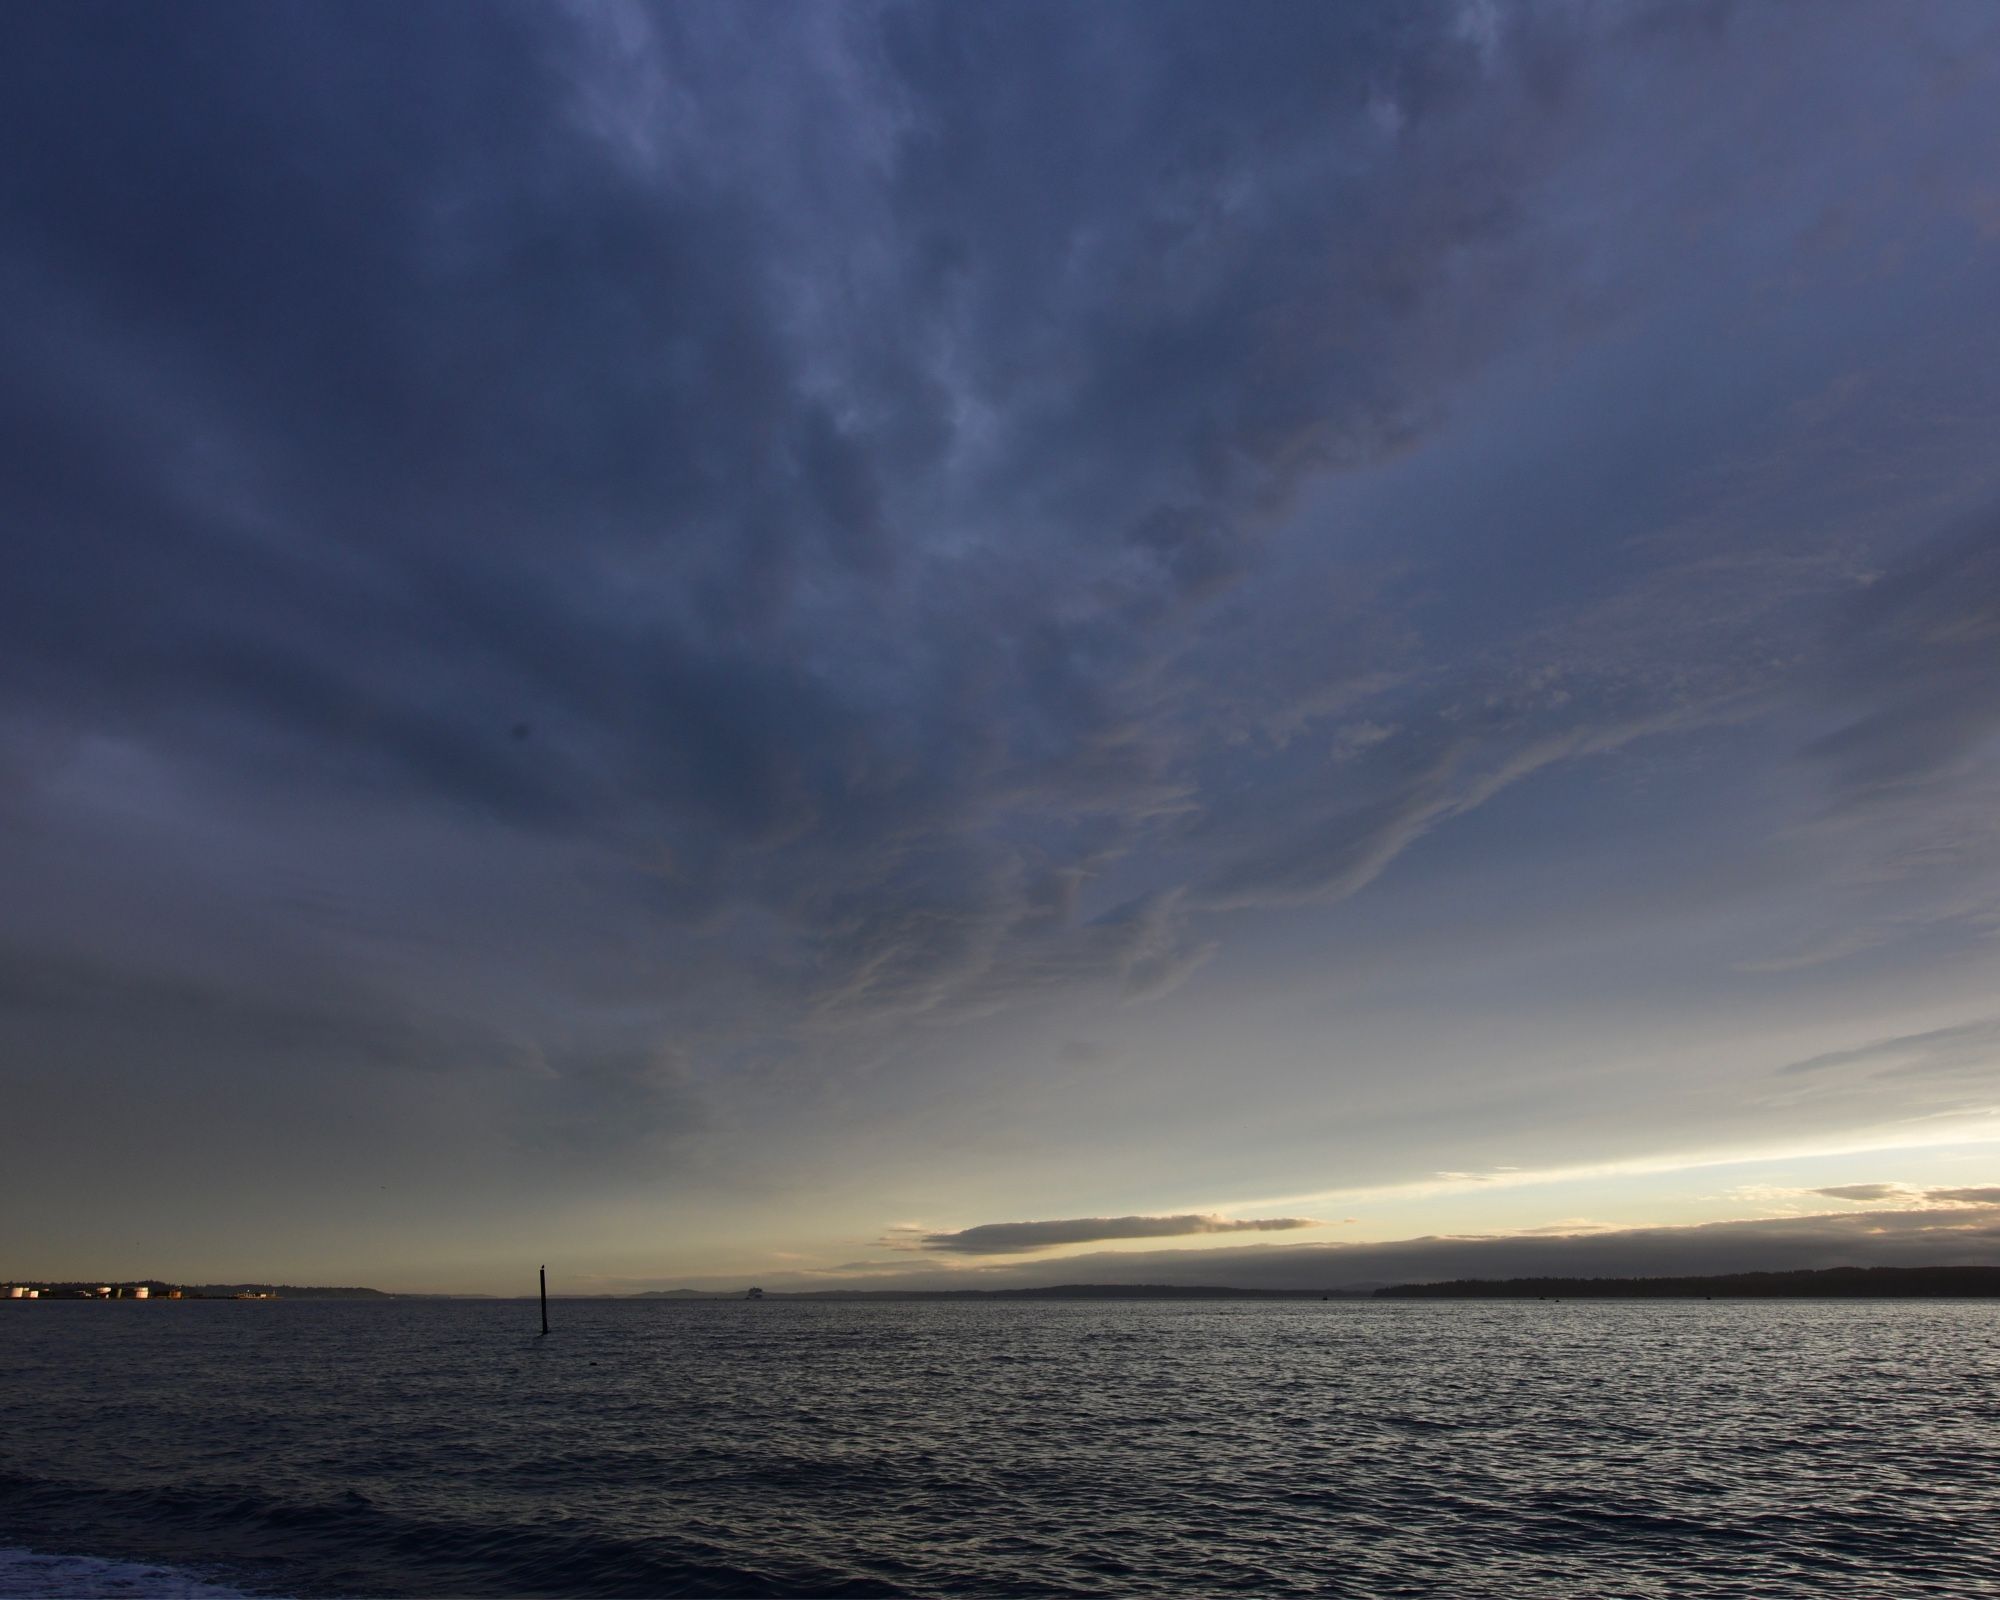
[910, 642]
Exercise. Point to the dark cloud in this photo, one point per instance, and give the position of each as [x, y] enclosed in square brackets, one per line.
[1007, 1238]
[1954, 1235]
[630, 1108]
[188, 1018]
[346, 445]
[606, 550]
[1863, 1191]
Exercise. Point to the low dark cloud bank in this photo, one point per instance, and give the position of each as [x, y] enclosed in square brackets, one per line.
[1935, 1236]
[1001, 1238]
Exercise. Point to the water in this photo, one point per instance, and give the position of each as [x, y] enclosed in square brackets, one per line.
[424, 1448]
[32, 1575]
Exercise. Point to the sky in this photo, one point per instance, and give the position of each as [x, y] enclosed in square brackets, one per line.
[1273, 644]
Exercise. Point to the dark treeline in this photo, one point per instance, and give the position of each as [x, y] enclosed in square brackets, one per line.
[1060, 1291]
[1820, 1283]
[287, 1291]
[196, 1291]
[1068, 1291]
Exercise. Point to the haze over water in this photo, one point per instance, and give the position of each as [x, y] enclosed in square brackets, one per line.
[1292, 1448]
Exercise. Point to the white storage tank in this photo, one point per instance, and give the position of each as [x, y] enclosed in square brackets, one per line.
[17, 1293]
[140, 1293]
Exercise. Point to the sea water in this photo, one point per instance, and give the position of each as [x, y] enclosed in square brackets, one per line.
[1091, 1448]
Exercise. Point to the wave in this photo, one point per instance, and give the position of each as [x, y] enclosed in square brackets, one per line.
[34, 1575]
[353, 1547]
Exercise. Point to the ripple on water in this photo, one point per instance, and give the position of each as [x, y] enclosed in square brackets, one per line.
[960, 1449]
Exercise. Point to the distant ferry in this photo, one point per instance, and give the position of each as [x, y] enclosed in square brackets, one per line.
[754, 1294]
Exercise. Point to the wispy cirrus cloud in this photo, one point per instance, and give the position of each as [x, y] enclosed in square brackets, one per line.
[1967, 1046]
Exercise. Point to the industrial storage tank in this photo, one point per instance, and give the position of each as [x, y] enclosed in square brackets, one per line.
[140, 1293]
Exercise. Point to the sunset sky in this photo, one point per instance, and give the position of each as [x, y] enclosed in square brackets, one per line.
[725, 644]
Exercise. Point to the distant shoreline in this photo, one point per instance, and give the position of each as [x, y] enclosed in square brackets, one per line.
[1065, 1291]
[1826, 1283]
[1823, 1283]
[1841, 1283]
[165, 1289]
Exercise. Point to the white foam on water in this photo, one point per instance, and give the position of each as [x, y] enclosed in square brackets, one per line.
[30, 1575]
